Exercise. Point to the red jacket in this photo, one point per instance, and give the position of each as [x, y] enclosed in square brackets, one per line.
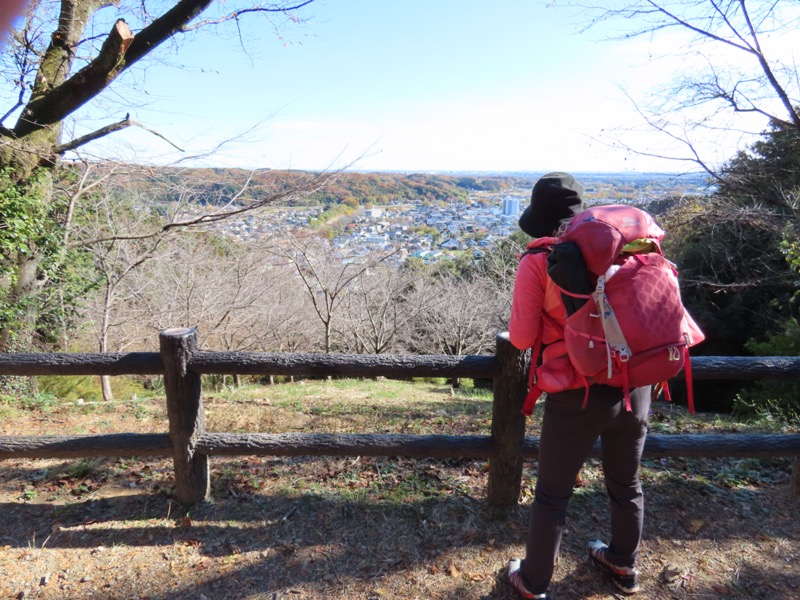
[537, 307]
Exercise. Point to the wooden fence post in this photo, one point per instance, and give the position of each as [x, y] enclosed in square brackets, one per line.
[186, 415]
[508, 424]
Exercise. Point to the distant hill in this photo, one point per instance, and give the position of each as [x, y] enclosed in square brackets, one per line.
[219, 185]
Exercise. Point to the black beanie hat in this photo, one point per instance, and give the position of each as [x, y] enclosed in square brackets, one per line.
[556, 198]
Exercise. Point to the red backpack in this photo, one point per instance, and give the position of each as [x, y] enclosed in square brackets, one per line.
[627, 327]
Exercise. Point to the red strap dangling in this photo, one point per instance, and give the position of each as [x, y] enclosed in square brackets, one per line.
[626, 385]
[533, 391]
[687, 367]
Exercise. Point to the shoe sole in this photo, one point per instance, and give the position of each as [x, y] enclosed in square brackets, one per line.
[629, 591]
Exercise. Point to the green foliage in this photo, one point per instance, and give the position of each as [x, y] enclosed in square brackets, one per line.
[73, 387]
[734, 275]
[768, 172]
[738, 258]
[24, 227]
[82, 468]
[42, 402]
[330, 215]
[773, 399]
[32, 230]
[23, 219]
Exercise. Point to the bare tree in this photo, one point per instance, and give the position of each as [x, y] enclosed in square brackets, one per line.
[499, 266]
[326, 276]
[378, 311]
[460, 316]
[116, 259]
[731, 69]
[52, 68]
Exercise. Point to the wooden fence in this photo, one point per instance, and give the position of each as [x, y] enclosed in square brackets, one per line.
[182, 364]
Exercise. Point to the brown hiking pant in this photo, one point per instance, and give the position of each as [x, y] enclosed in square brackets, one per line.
[568, 433]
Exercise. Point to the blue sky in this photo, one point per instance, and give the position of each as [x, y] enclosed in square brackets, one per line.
[392, 85]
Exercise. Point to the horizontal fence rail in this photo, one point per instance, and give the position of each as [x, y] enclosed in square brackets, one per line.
[182, 364]
[134, 363]
[742, 445]
[344, 365]
[85, 446]
[348, 365]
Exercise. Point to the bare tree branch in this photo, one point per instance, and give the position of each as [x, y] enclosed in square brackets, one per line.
[104, 131]
[121, 50]
[236, 14]
[756, 84]
[303, 189]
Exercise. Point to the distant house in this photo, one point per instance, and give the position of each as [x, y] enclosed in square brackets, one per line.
[450, 244]
[376, 239]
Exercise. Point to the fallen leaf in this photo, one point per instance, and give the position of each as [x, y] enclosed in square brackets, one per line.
[722, 590]
[452, 570]
[186, 522]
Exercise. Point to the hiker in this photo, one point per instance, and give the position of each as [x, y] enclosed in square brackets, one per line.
[572, 421]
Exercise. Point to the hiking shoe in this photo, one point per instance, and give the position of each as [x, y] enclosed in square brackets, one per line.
[515, 579]
[625, 578]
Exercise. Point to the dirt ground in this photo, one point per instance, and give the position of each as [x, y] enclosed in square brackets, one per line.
[369, 528]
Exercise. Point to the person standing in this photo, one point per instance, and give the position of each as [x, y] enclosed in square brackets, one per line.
[570, 427]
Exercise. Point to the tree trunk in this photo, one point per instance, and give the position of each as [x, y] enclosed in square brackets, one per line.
[105, 380]
[105, 386]
[57, 92]
[19, 336]
[328, 336]
[23, 296]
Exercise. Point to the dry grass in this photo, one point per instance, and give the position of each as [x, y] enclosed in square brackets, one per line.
[363, 528]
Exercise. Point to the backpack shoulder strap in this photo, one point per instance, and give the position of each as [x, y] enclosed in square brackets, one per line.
[538, 246]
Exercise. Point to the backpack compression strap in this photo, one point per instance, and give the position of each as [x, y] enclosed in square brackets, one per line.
[534, 392]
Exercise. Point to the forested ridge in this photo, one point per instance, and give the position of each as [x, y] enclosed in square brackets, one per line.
[215, 185]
